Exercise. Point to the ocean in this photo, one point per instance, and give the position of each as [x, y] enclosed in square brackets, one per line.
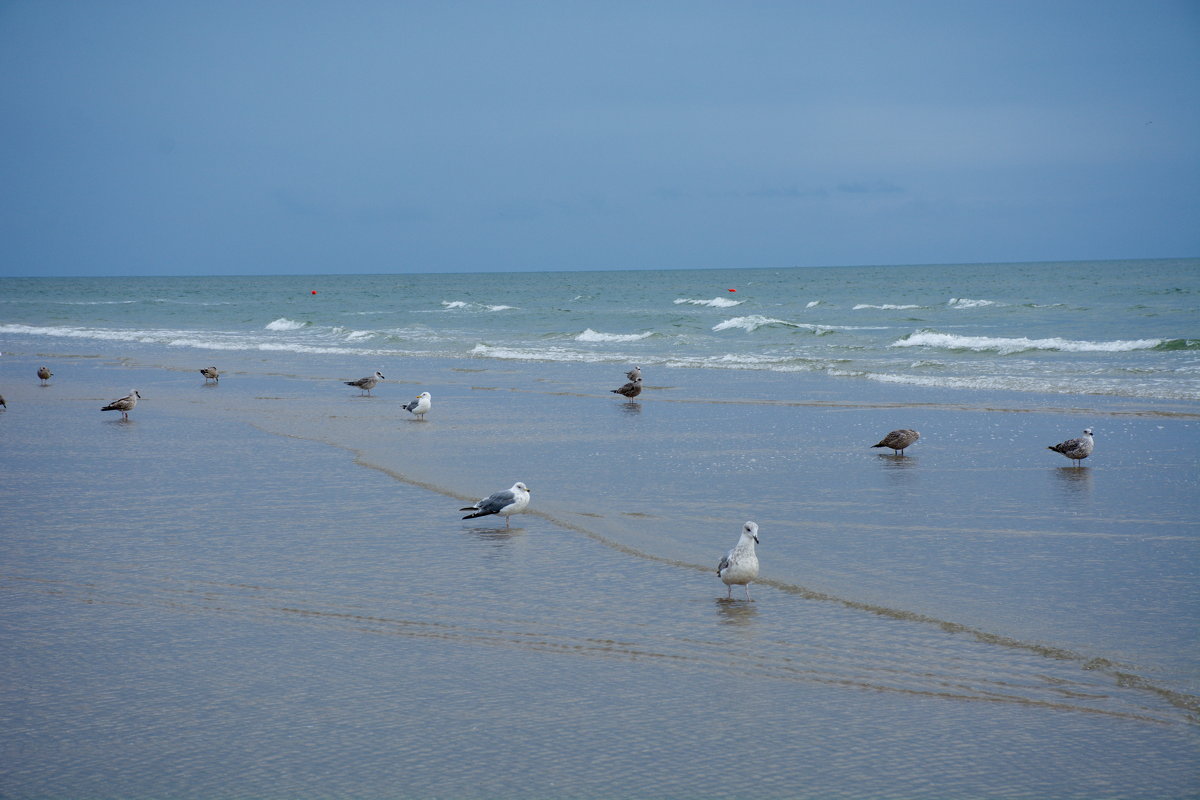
[262, 587]
[1118, 329]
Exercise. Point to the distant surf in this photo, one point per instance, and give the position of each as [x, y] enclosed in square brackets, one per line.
[716, 302]
[1008, 346]
[285, 324]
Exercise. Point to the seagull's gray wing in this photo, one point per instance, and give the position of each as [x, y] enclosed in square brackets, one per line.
[498, 501]
[723, 565]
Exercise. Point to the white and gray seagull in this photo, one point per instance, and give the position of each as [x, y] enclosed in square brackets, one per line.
[740, 565]
[421, 405]
[634, 374]
[505, 503]
[125, 404]
[1076, 449]
[368, 383]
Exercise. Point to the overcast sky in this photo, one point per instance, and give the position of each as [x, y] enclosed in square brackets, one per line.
[246, 137]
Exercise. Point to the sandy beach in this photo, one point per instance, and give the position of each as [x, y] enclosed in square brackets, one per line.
[264, 588]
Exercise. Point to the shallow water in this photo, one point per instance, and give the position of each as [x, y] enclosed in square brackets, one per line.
[263, 589]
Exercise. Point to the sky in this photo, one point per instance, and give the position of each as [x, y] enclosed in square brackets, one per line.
[221, 137]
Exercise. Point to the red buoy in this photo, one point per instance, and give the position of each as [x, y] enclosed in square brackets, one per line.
[314, 291]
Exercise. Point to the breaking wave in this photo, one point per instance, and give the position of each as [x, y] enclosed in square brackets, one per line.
[884, 307]
[590, 335]
[1008, 346]
[962, 302]
[756, 321]
[716, 302]
[453, 305]
[285, 324]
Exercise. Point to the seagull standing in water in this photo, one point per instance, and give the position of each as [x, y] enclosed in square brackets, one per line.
[211, 374]
[1076, 449]
[740, 565]
[421, 405]
[125, 404]
[44, 373]
[631, 389]
[898, 440]
[505, 503]
[634, 374]
[367, 383]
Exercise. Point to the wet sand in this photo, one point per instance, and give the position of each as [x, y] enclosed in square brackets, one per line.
[264, 589]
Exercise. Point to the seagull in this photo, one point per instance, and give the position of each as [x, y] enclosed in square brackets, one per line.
[505, 503]
[125, 404]
[367, 383]
[898, 440]
[740, 565]
[419, 406]
[631, 389]
[3, 404]
[211, 374]
[44, 373]
[634, 374]
[1076, 449]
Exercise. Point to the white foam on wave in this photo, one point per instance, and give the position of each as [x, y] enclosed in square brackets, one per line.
[102, 334]
[884, 307]
[542, 354]
[752, 323]
[1007, 346]
[756, 321]
[285, 324]
[813, 303]
[590, 335]
[716, 302]
[454, 305]
[963, 302]
[1029, 383]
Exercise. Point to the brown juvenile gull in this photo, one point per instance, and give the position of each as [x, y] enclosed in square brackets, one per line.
[1076, 449]
[505, 503]
[211, 374]
[367, 383]
[631, 389]
[44, 373]
[421, 405]
[125, 404]
[740, 565]
[899, 439]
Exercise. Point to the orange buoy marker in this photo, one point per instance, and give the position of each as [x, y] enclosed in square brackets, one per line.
[314, 291]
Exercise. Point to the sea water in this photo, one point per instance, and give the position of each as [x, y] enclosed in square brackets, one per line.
[978, 571]
[1119, 329]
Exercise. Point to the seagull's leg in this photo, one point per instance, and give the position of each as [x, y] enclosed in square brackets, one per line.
[729, 594]
[748, 593]
[507, 520]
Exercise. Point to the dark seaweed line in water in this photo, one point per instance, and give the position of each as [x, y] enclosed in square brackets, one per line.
[261, 605]
[1189, 704]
